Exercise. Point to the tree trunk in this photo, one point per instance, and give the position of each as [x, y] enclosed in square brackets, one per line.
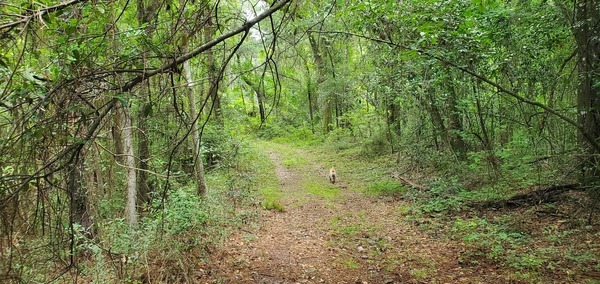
[194, 115]
[213, 76]
[260, 95]
[78, 195]
[144, 187]
[116, 134]
[327, 113]
[587, 37]
[129, 162]
[439, 128]
[455, 127]
[327, 106]
[145, 15]
[310, 104]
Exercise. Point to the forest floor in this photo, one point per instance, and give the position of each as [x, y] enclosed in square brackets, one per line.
[333, 233]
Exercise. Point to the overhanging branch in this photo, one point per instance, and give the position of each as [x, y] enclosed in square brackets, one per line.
[195, 52]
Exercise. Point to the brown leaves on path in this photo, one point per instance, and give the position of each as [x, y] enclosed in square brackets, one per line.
[350, 238]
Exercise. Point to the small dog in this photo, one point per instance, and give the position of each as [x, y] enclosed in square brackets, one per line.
[332, 175]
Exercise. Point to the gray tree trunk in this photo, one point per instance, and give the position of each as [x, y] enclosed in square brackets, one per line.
[129, 162]
[197, 151]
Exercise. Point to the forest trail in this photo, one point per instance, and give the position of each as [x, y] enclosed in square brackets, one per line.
[334, 234]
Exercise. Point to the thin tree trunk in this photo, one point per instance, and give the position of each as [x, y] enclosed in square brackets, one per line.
[310, 104]
[78, 195]
[145, 16]
[213, 76]
[197, 150]
[144, 187]
[116, 134]
[129, 162]
[436, 118]
[260, 95]
[327, 113]
[455, 127]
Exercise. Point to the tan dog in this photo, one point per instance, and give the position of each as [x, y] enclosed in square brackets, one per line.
[332, 175]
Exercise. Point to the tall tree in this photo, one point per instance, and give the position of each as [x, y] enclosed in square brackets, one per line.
[586, 30]
[195, 115]
[146, 14]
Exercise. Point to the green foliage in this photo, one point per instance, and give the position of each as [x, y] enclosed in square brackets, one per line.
[218, 148]
[299, 136]
[270, 131]
[386, 188]
[351, 263]
[378, 144]
[271, 203]
[341, 138]
[185, 226]
[183, 212]
[492, 242]
[442, 196]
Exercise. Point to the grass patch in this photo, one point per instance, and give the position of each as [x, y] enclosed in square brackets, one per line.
[291, 157]
[386, 188]
[271, 199]
[291, 162]
[345, 230]
[321, 189]
[265, 179]
[351, 263]
[421, 273]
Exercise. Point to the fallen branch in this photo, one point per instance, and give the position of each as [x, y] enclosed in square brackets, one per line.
[408, 183]
[544, 195]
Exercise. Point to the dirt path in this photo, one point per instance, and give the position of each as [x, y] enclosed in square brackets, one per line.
[339, 238]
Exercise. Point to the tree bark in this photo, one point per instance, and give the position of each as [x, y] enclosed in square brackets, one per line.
[213, 72]
[129, 162]
[260, 97]
[201, 187]
[146, 11]
[587, 37]
[78, 195]
[458, 145]
[143, 184]
[327, 105]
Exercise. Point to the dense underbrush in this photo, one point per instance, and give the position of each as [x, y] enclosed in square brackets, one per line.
[174, 236]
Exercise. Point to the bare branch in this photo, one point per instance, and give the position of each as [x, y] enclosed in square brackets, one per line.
[37, 14]
[179, 60]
